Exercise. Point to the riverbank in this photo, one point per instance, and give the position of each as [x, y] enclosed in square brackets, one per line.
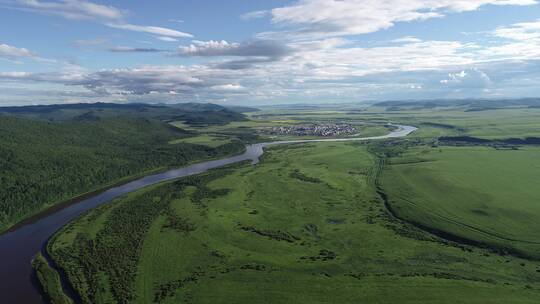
[52, 208]
[23, 244]
[304, 226]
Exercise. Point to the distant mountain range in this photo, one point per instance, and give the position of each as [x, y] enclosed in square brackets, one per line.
[469, 104]
[190, 113]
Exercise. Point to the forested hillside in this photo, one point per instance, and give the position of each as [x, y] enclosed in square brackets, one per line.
[190, 113]
[46, 162]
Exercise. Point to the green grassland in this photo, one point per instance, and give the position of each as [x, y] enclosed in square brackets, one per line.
[205, 140]
[252, 130]
[476, 193]
[399, 221]
[306, 225]
[244, 131]
[519, 122]
[503, 123]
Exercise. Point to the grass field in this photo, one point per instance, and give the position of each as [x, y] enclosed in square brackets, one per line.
[304, 226]
[500, 123]
[205, 140]
[219, 134]
[477, 193]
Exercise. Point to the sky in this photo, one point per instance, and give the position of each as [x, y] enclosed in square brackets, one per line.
[246, 52]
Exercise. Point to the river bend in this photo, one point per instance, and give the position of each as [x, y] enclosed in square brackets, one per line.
[19, 246]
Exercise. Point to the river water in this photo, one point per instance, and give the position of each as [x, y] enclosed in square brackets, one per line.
[18, 247]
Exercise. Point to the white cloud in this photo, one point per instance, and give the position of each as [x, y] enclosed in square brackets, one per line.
[156, 30]
[14, 75]
[257, 48]
[521, 42]
[129, 49]
[328, 69]
[286, 81]
[138, 81]
[520, 31]
[321, 65]
[11, 52]
[70, 9]
[333, 62]
[251, 52]
[323, 68]
[86, 10]
[207, 48]
[228, 87]
[166, 39]
[316, 18]
[471, 78]
[255, 15]
[406, 39]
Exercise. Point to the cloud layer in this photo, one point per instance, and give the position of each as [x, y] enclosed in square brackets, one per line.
[11, 52]
[129, 49]
[85, 10]
[314, 53]
[156, 30]
[70, 9]
[256, 48]
[320, 18]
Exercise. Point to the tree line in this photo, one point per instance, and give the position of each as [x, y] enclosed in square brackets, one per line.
[44, 162]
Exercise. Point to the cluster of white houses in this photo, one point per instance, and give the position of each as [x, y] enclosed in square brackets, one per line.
[312, 130]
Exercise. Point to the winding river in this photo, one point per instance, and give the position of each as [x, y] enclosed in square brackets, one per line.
[19, 246]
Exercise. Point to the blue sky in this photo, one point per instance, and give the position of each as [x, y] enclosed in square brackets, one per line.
[267, 52]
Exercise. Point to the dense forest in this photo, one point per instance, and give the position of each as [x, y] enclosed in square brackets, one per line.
[190, 113]
[43, 162]
[125, 226]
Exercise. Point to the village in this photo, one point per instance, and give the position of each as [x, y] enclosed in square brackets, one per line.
[327, 130]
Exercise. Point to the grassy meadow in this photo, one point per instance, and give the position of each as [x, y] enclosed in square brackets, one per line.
[415, 220]
[305, 225]
[252, 130]
[204, 139]
[477, 193]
